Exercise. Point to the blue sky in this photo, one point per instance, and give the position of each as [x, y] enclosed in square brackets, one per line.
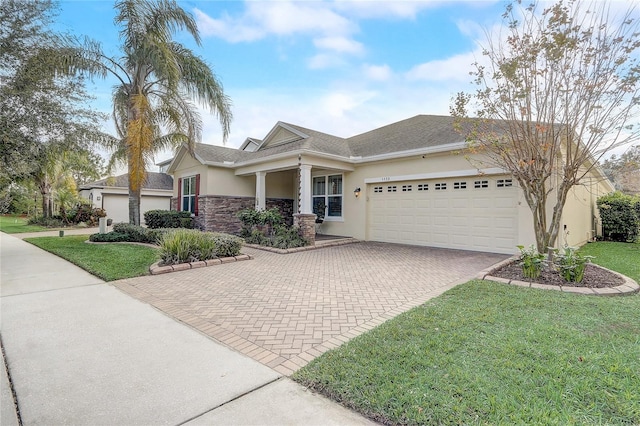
[342, 67]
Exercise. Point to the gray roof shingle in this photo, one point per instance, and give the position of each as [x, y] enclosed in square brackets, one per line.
[154, 181]
[421, 131]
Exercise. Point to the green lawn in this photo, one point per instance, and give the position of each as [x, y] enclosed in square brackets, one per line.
[107, 261]
[17, 224]
[489, 353]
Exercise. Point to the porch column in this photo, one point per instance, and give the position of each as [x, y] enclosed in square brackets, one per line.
[305, 189]
[260, 191]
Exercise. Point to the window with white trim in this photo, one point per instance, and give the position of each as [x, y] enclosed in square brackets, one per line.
[377, 189]
[423, 187]
[189, 194]
[481, 184]
[459, 185]
[503, 183]
[391, 188]
[441, 186]
[327, 196]
[406, 188]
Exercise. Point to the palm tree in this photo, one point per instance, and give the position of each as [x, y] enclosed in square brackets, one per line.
[158, 79]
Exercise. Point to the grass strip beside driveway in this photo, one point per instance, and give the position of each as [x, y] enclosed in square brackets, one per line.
[17, 225]
[107, 261]
[490, 353]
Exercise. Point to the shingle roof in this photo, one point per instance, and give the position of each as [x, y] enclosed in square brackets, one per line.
[216, 153]
[154, 181]
[421, 131]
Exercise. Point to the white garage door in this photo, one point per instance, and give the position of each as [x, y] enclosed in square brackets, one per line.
[117, 207]
[461, 213]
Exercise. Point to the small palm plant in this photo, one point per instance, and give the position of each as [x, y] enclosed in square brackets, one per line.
[531, 261]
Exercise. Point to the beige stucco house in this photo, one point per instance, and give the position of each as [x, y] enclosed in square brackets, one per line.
[112, 195]
[402, 183]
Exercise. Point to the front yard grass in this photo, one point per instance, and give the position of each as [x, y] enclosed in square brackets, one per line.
[16, 224]
[107, 261]
[490, 353]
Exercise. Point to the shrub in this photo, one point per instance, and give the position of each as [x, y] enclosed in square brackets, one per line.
[288, 237]
[266, 228]
[154, 236]
[125, 232]
[227, 245]
[256, 237]
[571, 264]
[188, 245]
[531, 261]
[86, 213]
[49, 222]
[109, 237]
[135, 233]
[264, 220]
[156, 219]
[284, 237]
[620, 215]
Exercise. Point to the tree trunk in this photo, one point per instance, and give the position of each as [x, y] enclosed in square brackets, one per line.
[134, 207]
[134, 203]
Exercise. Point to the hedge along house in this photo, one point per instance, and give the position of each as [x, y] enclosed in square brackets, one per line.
[112, 195]
[401, 183]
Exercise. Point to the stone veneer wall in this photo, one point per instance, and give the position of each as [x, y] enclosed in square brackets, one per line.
[217, 213]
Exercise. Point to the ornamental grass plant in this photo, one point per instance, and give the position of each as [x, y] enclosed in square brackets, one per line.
[189, 245]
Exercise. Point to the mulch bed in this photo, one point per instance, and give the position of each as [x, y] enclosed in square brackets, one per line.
[594, 277]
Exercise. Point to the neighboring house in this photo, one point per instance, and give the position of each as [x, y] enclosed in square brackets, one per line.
[112, 195]
[402, 183]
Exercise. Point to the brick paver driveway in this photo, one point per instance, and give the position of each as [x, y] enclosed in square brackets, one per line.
[285, 310]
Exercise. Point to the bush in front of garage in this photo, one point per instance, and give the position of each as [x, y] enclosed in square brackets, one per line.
[156, 219]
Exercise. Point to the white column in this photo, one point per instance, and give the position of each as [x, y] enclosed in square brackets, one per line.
[261, 203]
[305, 189]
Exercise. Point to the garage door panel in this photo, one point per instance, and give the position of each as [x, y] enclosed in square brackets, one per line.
[467, 217]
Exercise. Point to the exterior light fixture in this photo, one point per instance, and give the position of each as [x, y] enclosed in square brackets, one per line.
[357, 192]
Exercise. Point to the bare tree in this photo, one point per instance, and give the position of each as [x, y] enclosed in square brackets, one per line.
[555, 94]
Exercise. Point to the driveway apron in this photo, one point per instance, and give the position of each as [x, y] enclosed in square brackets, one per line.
[81, 352]
[285, 310]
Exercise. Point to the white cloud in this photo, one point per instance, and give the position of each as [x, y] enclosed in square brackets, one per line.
[453, 69]
[282, 18]
[339, 44]
[338, 103]
[377, 72]
[227, 28]
[324, 61]
[383, 8]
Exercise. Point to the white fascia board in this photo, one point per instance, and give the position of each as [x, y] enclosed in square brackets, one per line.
[274, 130]
[351, 160]
[295, 154]
[410, 153]
[438, 175]
[124, 190]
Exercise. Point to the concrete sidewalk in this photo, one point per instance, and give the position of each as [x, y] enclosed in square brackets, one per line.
[81, 352]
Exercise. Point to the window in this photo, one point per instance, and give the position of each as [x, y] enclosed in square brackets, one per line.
[481, 184]
[391, 188]
[503, 183]
[459, 185]
[327, 196]
[377, 189]
[441, 186]
[423, 187]
[406, 188]
[189, 192]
